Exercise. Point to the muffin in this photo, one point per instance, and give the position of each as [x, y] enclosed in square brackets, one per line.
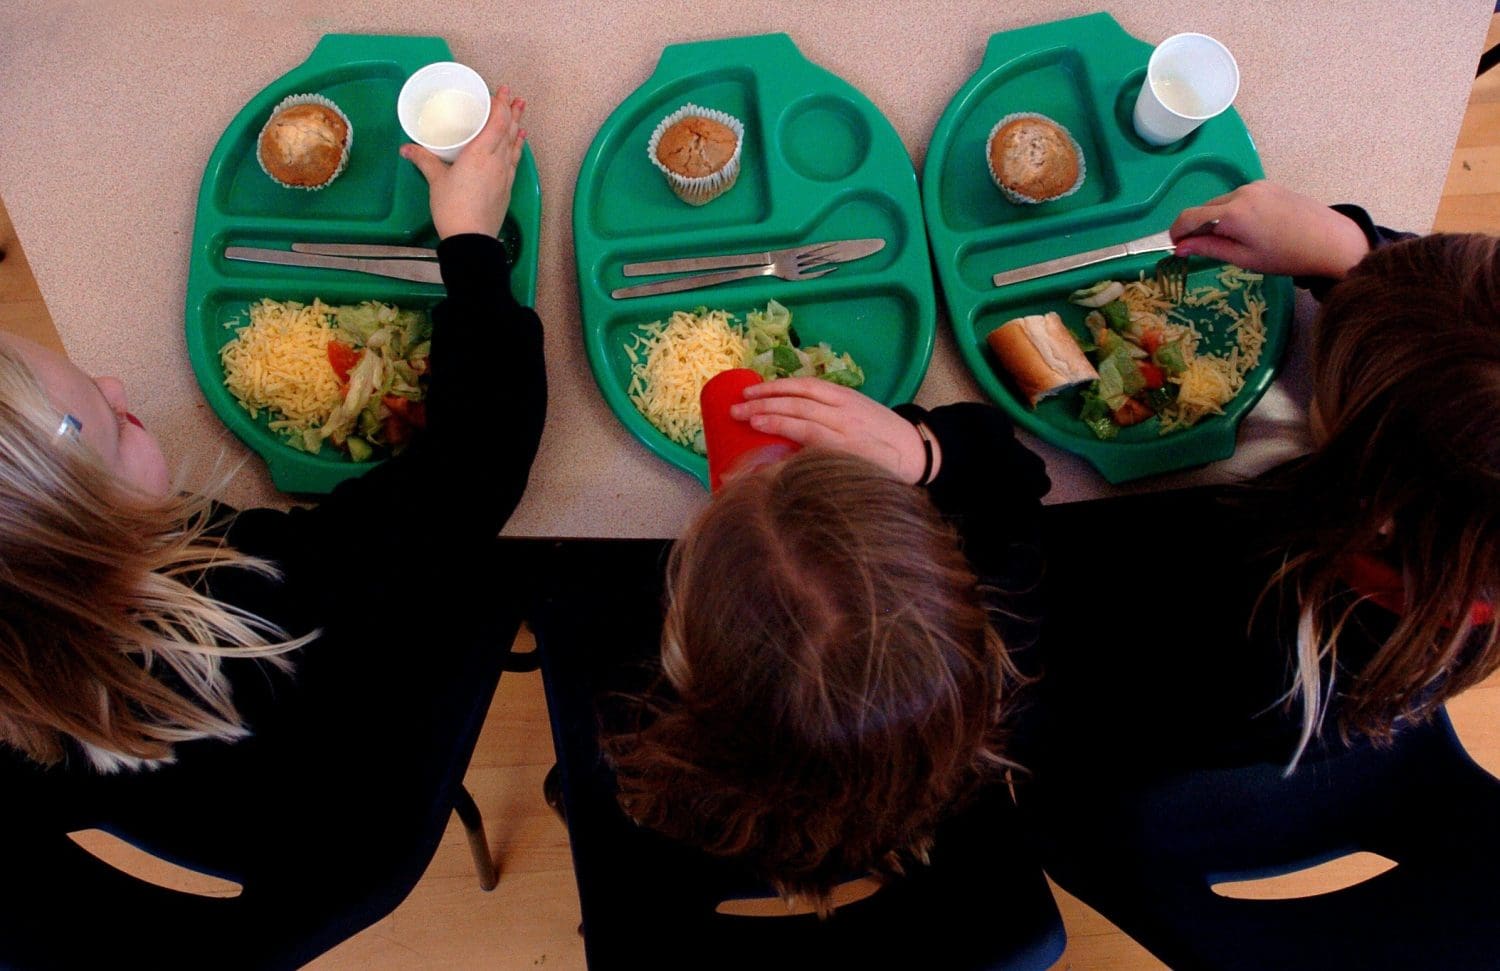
[305, 144]
[698, 151]
[1033, 159]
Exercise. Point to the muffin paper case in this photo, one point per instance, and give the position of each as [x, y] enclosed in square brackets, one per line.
[292, 100]
[700, 190]
[1011, 194]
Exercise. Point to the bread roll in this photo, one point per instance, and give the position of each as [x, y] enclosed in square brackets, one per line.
[1041, 355]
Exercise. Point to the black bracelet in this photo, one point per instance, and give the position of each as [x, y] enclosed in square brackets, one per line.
[926, 437]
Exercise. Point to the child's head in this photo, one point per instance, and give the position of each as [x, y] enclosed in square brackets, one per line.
[96, 582]
[1406, 367]
[835, 680]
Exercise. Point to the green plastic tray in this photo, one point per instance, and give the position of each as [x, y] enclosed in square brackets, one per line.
[1085, 74]
[820, 162]
[379, 198]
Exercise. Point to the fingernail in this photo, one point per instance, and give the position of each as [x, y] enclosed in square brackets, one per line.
[737, 412]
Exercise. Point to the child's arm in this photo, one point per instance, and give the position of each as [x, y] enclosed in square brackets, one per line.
[981, 478]
[459, 481]
[811, 411]
[1271, 229]
[991, 487]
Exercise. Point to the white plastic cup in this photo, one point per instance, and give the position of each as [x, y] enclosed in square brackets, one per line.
[1189, 79]
[431, 80]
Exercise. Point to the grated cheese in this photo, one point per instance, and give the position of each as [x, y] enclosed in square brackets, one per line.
[280, 362]
[671, 362]
[1203, 389]
[1211, 380]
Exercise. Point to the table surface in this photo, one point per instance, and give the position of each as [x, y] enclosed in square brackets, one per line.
[112, 107]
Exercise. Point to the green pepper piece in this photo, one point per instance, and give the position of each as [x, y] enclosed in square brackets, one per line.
[1170, 358]
[1117, 315]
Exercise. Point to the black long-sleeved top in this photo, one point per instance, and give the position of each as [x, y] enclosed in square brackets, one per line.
[990, 487]
[360, 563]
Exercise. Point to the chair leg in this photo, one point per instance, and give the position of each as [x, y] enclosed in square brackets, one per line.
[479, 844]
[552, 792]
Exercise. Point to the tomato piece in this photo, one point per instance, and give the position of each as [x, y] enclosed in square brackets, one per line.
[1132, 412]
[1154, 375]
[413, 413]
[396, 430]
[1151, 339]
[342, 358]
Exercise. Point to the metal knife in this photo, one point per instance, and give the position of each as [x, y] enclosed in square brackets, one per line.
[376, 250]
[857, 248]
[420, 271]
[1155, 243]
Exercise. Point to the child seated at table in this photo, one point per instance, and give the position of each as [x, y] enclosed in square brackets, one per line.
[842, 641]
[142, 627]
[1385, 540]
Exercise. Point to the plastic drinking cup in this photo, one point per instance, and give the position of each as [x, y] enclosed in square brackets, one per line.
[1189, 79]
[733, 446]
[434, 79]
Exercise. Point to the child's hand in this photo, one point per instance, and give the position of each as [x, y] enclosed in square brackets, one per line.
[472, 194]
[811, 411]
[1271, 229]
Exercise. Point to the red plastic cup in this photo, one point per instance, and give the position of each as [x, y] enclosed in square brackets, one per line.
[733, 445]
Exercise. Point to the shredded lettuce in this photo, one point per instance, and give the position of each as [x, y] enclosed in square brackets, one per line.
[395, 345]
[1096, 414]
[768, 328]
[774, 354]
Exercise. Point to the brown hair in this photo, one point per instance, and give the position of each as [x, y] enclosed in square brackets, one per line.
[99, 601]
[1406, 363]
[835, 680]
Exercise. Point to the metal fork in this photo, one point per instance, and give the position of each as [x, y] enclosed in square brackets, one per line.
[1172, 271]
[797, 266]
[1171, 277]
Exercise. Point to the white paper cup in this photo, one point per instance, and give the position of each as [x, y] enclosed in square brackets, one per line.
[1190, 79]
[433, 79]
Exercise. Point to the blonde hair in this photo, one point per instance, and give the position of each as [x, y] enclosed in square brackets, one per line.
[835, 679]
[1406, 365]
[100, 596]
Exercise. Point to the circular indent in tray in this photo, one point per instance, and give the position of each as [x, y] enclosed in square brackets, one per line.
[1125, 118]
[824, 139]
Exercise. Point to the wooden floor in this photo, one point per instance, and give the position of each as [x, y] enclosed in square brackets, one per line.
[530, 921]
[1471, 196]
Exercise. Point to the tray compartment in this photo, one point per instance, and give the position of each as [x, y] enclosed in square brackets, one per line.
[1051, 82]
[1138, 450]
[631, 198]
[824, 138]
[872, 324]
[1195, 179]
[225, 306]
[364, 191]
